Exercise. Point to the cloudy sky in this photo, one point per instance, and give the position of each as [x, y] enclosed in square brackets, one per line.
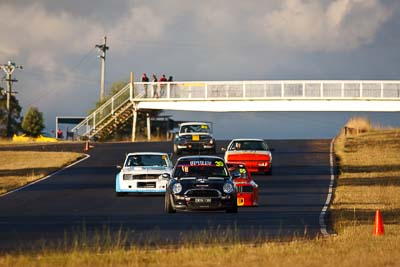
[191, 40]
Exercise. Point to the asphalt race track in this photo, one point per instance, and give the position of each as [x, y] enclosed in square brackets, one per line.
[82, 198]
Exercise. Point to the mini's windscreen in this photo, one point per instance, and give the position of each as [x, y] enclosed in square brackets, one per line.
[201, 168]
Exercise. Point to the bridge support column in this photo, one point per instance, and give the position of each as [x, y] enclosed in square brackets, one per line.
[148, 127]
[134, 125]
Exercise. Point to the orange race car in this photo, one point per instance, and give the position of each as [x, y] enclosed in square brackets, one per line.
[246, 188]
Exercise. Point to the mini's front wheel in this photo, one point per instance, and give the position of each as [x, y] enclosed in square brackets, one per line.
[168, 204]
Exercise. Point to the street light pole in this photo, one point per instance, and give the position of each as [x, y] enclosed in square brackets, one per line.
[9, 69]
[103, 48]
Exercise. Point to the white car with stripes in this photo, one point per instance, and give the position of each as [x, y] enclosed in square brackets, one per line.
[142, 173]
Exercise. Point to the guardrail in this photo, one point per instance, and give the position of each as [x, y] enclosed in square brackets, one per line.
[237, 90]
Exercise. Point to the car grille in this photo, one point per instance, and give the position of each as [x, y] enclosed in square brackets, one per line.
[141, 176]
[203, 193]
[195, 145]
[244, 189]
[146, 185]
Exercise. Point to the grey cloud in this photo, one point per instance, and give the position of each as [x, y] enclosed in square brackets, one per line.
[100, 10]
[317, 26]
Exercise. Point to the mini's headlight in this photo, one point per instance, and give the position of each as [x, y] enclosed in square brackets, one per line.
[228, 188]
[177, 188]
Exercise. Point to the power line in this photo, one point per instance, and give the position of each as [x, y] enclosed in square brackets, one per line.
[83, 58]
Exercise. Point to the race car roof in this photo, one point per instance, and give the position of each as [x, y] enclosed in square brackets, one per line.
[147, 153]
[247, 139]
[200, 157]
[195, 123]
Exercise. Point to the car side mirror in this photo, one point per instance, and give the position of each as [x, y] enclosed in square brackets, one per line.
[223, 149]
[235, 175]
[119, 167]
[166, 176]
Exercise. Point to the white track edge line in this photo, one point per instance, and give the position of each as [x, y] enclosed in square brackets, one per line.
[322, 223]
[44, 178]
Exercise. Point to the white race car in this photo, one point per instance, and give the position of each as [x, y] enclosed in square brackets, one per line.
[142, 173]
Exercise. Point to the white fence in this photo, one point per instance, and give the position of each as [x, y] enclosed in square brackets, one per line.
[227, 90]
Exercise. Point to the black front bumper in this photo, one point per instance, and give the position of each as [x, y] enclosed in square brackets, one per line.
[180, 202]
[196, 147]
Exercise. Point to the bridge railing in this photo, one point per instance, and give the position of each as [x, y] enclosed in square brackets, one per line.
[104, 112]
[236, 90]
[226, 90]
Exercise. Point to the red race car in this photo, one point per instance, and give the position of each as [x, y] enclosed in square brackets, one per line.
[247, 189]
[252, 152]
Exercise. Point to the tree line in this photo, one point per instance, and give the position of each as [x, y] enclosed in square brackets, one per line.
[31, 124]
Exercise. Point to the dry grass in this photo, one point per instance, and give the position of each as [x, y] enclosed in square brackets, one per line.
[5, 141]
[354, 247]
[361, 124]
[369, 178]
[18, 168]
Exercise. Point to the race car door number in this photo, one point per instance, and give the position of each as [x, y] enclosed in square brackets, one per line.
[195, 138]
[202, 200]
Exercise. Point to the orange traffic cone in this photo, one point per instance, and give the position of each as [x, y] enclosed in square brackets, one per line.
[378, 226]
[86, 146]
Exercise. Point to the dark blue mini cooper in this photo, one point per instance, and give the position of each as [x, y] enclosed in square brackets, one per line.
[200, 183]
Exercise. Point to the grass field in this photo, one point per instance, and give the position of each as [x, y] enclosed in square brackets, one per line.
[355, 246]
[18, 168]
[369, 164]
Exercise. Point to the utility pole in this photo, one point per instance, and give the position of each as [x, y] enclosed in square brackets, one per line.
[9, 69]
[102, 49]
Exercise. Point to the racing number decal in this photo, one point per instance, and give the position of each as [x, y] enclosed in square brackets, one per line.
[242, 170]
[219, 164]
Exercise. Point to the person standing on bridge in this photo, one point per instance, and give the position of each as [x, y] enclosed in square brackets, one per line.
[145, 79]
[155, 86]
[171, 87]
[163, 81]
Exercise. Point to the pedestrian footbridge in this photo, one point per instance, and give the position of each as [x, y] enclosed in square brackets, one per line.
[227, 96]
